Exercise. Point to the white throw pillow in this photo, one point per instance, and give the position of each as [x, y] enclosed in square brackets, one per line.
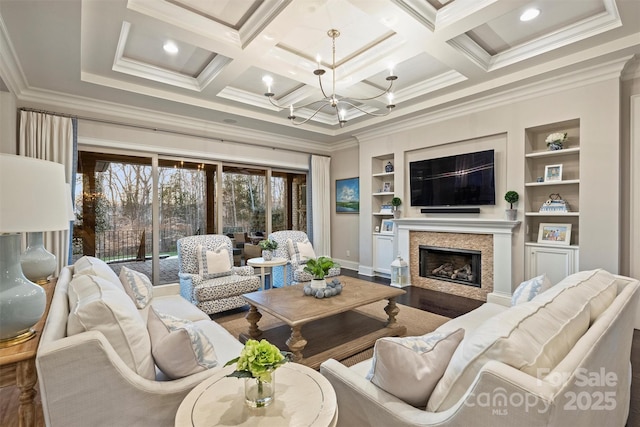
[529, 289]
[104, 308]
[301, 252]
[533, 337]
[410, 367]
[137, 285]
[92, 266]
[213, 263]
[180, 347]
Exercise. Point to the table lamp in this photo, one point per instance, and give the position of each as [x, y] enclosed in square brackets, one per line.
[32, 199]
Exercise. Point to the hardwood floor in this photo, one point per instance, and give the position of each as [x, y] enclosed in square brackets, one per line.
[424, 299]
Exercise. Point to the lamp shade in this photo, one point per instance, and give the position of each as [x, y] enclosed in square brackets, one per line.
[33, 195]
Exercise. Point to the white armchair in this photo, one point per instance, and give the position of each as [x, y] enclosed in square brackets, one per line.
[295, 267]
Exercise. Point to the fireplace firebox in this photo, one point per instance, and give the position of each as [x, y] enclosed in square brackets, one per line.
[462, 266]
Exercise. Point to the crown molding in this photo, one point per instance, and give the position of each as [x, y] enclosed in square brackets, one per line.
[151, 72]
[114, 111]
[579, 78]
[589, 27]
[632, 69]
[10, 70]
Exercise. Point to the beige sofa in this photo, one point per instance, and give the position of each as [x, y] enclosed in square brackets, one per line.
[90, 378]
[560, 359]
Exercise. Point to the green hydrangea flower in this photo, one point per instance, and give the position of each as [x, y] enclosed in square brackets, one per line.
[258, 360]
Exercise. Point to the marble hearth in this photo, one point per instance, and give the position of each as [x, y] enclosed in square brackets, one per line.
[492, 237]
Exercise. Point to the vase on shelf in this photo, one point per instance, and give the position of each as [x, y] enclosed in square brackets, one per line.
[267, 255]
[554, 146]
[388, 167]
[259, 393]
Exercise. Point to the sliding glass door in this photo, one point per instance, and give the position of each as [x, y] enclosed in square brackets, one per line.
[130, 213]
[186, 194]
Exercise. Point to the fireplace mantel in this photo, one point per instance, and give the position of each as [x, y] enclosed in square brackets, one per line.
[458, 225]
[502, 231]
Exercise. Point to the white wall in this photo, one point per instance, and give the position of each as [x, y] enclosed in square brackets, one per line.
[103, 135]
[630, 160]
[345, 245]
[597, 106]
[8, 120]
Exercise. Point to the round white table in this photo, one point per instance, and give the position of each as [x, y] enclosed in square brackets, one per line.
[262, 263]
[303, 397]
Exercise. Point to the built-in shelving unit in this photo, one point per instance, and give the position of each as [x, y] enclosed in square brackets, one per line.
[382, 243]
[556, 260]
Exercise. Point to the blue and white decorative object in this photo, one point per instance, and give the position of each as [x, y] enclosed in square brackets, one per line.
[555, 140]
[33, 198]
[388, 167]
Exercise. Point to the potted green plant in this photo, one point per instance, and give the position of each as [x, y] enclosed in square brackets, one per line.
[319, 268]
[268, 246]
[511, 197]
[396, 202]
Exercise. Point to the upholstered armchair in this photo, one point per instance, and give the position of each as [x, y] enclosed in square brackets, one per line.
[208, 277]
[295, 247]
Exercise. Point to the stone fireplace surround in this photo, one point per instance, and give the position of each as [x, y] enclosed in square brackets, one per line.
[494, 235]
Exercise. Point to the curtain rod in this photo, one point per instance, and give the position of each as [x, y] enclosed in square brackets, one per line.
[156, 129]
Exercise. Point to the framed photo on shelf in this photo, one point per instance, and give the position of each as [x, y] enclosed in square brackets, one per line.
[552, 173]
[387, 226]
[386, 187]
[554, 234]
[348, 195]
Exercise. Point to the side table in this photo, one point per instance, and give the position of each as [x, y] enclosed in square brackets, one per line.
[18, 366]
[303, 397]
[262, 263]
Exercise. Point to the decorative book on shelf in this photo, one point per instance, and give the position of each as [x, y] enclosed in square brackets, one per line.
[386, 209]
[555, 204]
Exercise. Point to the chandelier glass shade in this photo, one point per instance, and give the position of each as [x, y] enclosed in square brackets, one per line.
[332, 101]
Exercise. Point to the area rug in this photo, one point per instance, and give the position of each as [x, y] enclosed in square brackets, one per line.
[417, 322]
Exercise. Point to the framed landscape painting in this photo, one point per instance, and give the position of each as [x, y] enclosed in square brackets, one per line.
[348, 195]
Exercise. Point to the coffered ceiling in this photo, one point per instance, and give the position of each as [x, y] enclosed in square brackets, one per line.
[111, 51]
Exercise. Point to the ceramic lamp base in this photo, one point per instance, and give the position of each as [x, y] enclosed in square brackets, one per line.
[22, 303]
[37, 262]
[8, 342]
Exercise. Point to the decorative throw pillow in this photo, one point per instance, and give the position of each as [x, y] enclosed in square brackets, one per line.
[215, 263]
[137, 285]
[528, 289]
[92, 266]
[301, 252]
[102, 307]
[410, 367]
[180, 348]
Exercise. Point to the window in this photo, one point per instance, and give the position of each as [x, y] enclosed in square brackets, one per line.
[115, 207]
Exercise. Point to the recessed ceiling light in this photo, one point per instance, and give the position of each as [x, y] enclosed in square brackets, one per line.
[170, 47]
[529, 14]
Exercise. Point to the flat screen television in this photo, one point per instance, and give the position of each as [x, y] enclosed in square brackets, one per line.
[460, 180]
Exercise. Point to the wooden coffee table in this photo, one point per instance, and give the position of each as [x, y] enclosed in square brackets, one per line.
[332, 328]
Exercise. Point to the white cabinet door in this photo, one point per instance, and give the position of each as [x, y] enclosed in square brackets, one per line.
[383, 253]
[556, 262]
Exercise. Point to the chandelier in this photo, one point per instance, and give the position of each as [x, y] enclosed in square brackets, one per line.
[332, 101]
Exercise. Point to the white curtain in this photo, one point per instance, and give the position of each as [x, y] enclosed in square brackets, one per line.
[321, 204]
[49, 137]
